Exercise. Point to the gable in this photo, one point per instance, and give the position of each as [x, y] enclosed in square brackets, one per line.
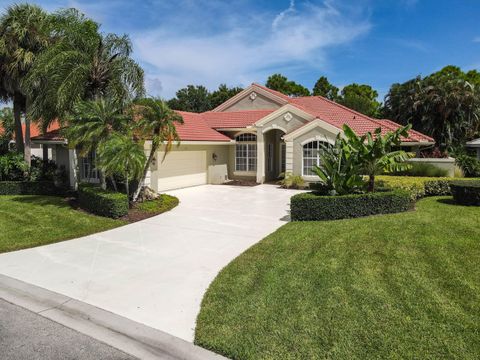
[254, 97]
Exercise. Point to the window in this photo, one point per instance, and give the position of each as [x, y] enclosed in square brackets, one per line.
[246, 152]
[87, 167]
[311, 157]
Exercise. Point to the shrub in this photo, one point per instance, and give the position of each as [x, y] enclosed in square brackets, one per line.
[424, 170]
[419, 186]
[466, 192]
[469, 165]
[12, 167]
[291, 181]
[28, 188]
[102, 202]
[311, 206]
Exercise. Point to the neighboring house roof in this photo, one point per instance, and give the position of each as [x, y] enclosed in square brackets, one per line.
[35, 130]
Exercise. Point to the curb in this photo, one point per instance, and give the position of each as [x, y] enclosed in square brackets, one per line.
[126, 335]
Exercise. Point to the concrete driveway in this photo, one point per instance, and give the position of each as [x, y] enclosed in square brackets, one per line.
[156, 271]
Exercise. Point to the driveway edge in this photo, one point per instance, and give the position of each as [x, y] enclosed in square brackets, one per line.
[124, 334]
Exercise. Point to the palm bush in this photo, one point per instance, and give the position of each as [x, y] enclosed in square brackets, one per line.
[291, 181]
[339, 170]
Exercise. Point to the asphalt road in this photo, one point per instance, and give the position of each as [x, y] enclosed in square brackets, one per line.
[26, 335]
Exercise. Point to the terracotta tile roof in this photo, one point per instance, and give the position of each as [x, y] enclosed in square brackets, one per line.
[274, 92]
[234, 119]
[195, 128]
[337, 115]
[54, 135]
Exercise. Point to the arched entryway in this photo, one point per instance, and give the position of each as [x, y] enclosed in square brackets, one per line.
[274, 154]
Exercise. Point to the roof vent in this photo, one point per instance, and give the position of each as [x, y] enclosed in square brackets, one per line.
[353, 117]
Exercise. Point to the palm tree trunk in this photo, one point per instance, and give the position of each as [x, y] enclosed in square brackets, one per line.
[126, 186]
[28, 148]
[371, 183]
[17, 115]
[141, 182]
[114, 183]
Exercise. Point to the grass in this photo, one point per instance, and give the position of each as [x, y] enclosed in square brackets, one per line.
[400, 286]
[32, 220]
[163, 203]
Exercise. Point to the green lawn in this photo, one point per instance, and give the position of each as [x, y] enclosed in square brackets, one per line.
[401, 286]
[31, 220]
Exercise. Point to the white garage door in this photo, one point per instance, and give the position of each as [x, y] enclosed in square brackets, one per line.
[182, 169]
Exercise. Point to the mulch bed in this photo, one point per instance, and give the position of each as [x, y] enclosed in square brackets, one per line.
[242, 183]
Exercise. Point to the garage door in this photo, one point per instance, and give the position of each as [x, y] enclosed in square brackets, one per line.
[182, 169]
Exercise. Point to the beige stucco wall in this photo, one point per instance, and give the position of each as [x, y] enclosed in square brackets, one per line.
[260, 102]
[318, 134]
[280, 123]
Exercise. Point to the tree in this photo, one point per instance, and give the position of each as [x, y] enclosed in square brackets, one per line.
[444, 105]
[157, 123]
[24, 33]
[324, 88]
[82, 64]
[222, 94]
[362, 98]
[192, 98]
[374, 152]
[7, 129]
[280, 83]
[93, 122]
[121, 155]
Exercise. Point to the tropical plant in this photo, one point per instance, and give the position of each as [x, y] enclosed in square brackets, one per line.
[374, 152]
[24, 33]
[121, 155]
[470, 165]
[7, 128]
[82, 64]
[339, 170]
[444, 105]
[291, 181]
[13, 167]
[156, 123]
[92, 123]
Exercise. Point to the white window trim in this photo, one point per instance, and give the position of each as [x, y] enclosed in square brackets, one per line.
[246, 172]
[309, 176]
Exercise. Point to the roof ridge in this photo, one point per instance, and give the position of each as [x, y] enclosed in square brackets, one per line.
[275, 92]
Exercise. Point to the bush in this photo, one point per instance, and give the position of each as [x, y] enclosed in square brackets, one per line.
[29, 188]
[424, 170]
[13, 167]
[291, 181]
[311, 206]
[102, 202]
[418, 186]
[466, 192]
[469, 165]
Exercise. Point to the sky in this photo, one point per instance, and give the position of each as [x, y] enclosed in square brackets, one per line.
[237, 42]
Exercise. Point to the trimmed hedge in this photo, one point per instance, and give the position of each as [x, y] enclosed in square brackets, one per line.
[102, 202]
[418, 186]
[29, 188]
[311, 206]
[466, 192]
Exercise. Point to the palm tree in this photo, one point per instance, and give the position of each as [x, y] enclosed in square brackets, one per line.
[24, 33]
[122, 155]
[82, 64]
[157, 122]
[91, 123]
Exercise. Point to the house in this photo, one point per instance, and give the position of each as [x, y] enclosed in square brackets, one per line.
[256, 135]
[37, 149]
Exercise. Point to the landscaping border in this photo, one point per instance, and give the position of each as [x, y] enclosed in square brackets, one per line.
[102, 202]
[311, 206]
[466, 192]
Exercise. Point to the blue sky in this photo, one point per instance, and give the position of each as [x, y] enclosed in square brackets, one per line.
[377, 42]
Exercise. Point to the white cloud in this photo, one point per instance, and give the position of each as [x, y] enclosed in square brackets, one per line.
[476, 39]
[247, 47]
